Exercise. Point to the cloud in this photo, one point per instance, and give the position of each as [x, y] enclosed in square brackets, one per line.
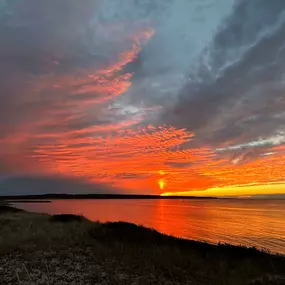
[237, 94]
[129, 94]
[29, 185]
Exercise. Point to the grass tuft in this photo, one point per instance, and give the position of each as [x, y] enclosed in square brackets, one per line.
[67, 218]
[269, 280]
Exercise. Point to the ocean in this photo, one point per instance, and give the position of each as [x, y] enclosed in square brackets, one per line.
[259, 223]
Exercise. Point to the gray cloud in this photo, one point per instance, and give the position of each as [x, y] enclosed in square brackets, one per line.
[183, 30]
[238, 93]
[29, 185]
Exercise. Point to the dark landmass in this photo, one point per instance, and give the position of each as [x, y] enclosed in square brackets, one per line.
[97, 196]
[27, 201]
[69, 249]
[7, 209]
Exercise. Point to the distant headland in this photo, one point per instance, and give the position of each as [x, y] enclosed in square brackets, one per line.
[98, 196]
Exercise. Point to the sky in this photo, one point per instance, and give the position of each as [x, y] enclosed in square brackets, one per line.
[151, 97]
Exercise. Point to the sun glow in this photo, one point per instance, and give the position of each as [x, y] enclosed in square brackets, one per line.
[161, 181]
[238, 190]
[161, 184]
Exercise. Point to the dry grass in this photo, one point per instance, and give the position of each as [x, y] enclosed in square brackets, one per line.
[39, 249]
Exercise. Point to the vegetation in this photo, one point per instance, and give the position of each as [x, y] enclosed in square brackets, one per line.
[66, 218]
[68, 249]
[4, 209]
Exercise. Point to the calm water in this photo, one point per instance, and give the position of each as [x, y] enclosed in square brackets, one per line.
[258, 223]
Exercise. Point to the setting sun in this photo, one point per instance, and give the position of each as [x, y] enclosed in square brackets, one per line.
[161, 184]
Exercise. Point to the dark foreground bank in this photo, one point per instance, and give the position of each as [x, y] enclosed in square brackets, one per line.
[67, 249]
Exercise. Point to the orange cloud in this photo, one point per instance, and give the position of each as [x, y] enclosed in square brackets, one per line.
[71, 129]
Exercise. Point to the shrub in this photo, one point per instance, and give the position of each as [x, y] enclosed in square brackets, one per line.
[66, 218]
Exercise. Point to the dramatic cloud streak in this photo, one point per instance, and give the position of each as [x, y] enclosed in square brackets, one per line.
[147, 97]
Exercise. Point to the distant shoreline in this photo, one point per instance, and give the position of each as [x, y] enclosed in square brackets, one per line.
[48, 198]
[26, 201]
[40, 198]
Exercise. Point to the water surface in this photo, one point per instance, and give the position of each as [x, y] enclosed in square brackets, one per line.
[259, 223]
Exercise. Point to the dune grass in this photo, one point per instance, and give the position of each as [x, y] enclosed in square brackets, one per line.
[68, 249]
